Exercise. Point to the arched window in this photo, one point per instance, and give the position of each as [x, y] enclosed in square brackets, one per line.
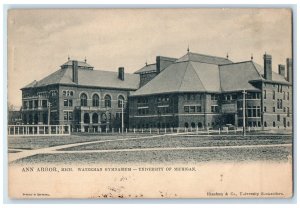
[83, 99]
[95, 100]
[265, 124]
[120, 101]
[193, 125]
[199, 125]
[107, 100]
[95, 118]
[186, 125]
[86, 118]
[274, 124]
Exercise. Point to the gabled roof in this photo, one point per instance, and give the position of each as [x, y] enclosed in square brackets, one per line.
[191, 76]
[107, 79]
[236, 76]
[183, 77]
[146, 69]
[93, 78]
[196, 57]
[275, 76]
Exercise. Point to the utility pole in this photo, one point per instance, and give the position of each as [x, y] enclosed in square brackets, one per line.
[122, 101]
[244, 112]
[49, 110]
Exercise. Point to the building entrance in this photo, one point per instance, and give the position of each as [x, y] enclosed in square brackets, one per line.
[229, 119]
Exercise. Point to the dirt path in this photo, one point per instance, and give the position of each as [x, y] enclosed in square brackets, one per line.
[26, 153]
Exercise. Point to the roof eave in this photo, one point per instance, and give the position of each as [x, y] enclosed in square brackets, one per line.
[271, 81]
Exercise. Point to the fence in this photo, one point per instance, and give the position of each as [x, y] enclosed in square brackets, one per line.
[59, 130]
[169, 130]
[39, 130]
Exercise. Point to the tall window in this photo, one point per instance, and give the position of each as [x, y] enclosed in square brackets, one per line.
[83, 99]
[254, 111]
[214, 97]
[273, 94]
[68, 115]
[68, 102]
[107, 101]
[95, 100]
[214, 108]
[265, 94]
[279, 103]
[120, 101]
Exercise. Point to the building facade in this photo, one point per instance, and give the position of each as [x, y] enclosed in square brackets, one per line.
[194, 91]
[89, 100]
[201, 91]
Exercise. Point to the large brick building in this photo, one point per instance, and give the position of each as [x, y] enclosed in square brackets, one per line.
[207, 92]
[78, 95]
[193, 91]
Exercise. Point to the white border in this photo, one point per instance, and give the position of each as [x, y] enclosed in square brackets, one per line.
[159, 3]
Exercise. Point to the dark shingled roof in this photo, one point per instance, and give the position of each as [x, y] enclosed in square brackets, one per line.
[146, 69]
[94, 78]
[236, 77]
[183, 77]
[198, 73]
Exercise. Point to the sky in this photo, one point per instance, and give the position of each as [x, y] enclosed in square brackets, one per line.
[40, 40]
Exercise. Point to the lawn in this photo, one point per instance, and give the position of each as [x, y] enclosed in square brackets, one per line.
[184, 141]
[251, 153]
[278, 154]
[29, 143]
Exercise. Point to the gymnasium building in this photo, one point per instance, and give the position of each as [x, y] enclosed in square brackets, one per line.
[195, 90]
[205, 91]
[89, 100]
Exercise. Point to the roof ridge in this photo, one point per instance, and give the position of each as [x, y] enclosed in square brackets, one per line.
[234, 63]
[257, 70]
[63, 75]
[221, 89]
[96, 70]
[209, 55]
[198, 77]
[182, 79]
[52, 74]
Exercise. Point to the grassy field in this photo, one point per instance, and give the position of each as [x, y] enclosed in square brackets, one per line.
[278, 154]
[237, 153]
[184, 141]
[29, 143]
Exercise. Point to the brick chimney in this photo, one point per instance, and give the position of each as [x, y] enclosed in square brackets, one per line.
[121, 74]
[75, 71]
[281, 70]
[163, 62]
[267, 67]
[289, 69]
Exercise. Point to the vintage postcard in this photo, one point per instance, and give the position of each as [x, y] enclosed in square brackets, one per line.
[150, 103]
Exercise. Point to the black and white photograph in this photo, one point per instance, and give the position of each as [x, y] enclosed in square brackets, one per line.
[150, 103]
